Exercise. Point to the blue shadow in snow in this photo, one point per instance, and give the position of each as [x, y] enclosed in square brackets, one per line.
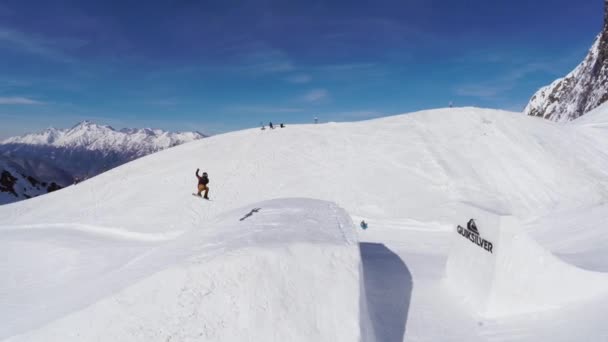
[388, 291]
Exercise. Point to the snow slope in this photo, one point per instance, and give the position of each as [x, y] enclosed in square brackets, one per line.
[412, 177]
[596, 117]
[445, 159]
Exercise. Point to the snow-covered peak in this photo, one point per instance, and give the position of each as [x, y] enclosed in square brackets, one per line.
[87, 125]
[579, 92]
[46, 137]
[91, 136]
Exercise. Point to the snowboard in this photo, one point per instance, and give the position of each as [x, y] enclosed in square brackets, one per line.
[195, 195]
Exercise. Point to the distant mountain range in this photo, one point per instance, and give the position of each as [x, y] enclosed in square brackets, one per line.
[582, 90]
[65, 156]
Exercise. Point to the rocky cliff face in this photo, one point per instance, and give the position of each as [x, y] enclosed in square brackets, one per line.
[16, 184]
[582, 90]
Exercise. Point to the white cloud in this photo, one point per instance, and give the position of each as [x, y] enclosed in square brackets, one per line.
[18, 100]
[265, 109]
[37, 45]
[355, 115]
[316, 96]
[299, 78]
[358, 115]
[482, 90]
[492, 89]
[347, 67]
[263, 59]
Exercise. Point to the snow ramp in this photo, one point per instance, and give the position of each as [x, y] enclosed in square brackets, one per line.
[498, 270]
[279, 270]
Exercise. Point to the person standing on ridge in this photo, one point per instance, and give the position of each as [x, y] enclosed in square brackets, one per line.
[202, 184]
[271, 126]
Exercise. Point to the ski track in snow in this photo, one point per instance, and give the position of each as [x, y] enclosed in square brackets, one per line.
[411, 178]
[116, 233]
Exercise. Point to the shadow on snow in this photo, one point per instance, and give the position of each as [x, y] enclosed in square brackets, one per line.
[388, 290]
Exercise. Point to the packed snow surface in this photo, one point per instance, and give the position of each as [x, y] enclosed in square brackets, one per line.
[131, 255]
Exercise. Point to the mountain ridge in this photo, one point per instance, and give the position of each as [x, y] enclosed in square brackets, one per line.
[93, 136]
[580, 91]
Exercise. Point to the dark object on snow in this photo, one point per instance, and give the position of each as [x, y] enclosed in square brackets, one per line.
[53, 187]
[250, 213]
[271, 126]
[363, 224]
[205, 198]
[202, 184]
[282, 126]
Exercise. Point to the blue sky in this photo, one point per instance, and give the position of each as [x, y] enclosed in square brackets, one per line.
[216, 66]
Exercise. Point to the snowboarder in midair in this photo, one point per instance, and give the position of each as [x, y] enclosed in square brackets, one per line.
[202, 184]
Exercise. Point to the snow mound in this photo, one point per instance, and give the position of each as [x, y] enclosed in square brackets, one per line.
[265, 272]
[499, 271]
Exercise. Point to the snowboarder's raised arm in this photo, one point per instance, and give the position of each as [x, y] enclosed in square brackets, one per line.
[196, 174]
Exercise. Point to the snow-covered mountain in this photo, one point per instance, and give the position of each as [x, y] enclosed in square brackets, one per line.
[17, 182]
[64, 156]
[277, 254]
[582, 90]
[93, 137]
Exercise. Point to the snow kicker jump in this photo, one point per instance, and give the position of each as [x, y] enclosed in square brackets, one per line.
[271, 277]
[498, 270]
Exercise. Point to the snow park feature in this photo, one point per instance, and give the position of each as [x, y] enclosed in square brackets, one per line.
[271, 277]
[130, 255]
[513, 274]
